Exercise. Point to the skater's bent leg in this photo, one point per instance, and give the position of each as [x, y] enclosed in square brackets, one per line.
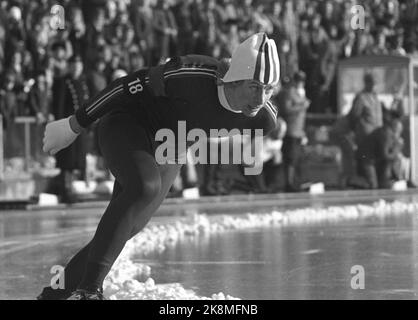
[168, 174]
[128, 154]
[75, 268]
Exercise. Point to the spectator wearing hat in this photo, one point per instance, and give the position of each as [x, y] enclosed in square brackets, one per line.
[293, 105]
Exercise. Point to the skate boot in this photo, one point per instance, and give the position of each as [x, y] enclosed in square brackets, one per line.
[53, 294]
[82, 294]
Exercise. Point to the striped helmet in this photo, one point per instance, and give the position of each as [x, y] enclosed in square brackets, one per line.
[255, 59]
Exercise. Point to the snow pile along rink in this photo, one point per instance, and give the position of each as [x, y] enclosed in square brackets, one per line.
[129, 280]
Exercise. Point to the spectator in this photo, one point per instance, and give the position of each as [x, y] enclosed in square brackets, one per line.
[327, 12]
[165, 32]
[69, 92]
[16, 33]
[342, 135]
[213, 183]
[365, 116]
[304, 46]
[389, 145]
[136, 60]
[366, 113]
[294, 104]
[380, 48]
[2, 45]
[184, 22]
[142, 23]
[77, 30]
[274, 12]
[381, 155]
[364, 41]
[9, 111]
[288, 62]
[228, 10]
[38, 44]
[230, 40]
[348, 45]
[262, 23]
[39, 106]
[328, 89]
[310, 35]
[207, 24]
[96, 78]
[8, 99]
[95, 35]
[397, 44]
[246, 21]
[39, 99]
[58, 60]
[272, 157]
[290, 27]
[316, 78]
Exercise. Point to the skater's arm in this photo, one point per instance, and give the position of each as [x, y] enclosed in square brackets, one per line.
[62, 133]
[110, 97]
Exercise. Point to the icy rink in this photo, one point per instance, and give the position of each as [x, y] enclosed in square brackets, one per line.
[131, 280]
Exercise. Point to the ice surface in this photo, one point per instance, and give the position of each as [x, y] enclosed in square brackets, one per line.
[130, 280]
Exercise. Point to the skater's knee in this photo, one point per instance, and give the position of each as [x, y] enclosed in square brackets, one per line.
[144, 189]
[151, 188]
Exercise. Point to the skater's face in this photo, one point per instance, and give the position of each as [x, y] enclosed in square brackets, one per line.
[251, 96]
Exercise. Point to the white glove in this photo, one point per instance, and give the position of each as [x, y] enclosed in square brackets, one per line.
[58, 135]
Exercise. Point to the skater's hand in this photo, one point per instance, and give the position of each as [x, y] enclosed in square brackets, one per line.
[58, 135]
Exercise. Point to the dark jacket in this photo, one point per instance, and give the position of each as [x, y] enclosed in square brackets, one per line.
[68, 96]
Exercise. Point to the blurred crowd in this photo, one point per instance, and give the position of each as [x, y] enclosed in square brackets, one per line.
[94, 42]
[116, 36]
